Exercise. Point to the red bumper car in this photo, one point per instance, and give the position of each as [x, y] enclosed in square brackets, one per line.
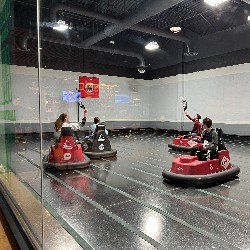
[66, 154]
[189, 171]
[184, 144]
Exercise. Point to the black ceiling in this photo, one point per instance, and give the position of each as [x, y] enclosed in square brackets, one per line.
[196, 18]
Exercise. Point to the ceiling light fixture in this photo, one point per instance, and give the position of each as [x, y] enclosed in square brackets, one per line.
[152, 45]
[61, 26]
[175, 29]
[214, 3]
[142, 69]
[70, 26]
[190, 53]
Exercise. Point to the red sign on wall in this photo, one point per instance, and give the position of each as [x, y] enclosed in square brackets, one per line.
[89, 87]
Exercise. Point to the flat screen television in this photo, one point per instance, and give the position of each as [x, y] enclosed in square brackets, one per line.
[71, 96]
[123, 99]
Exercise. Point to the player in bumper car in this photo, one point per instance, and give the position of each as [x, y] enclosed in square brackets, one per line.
[97, 145]
[185, 142]
[207, 163]
[66, 153]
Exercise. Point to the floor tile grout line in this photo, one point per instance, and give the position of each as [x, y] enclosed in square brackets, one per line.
[142, 171]
[160, 177]
[173, 196]
[65, 225]
[199, 190]
[152, 174]
[162, 212]
[111, 215]
[223, 197]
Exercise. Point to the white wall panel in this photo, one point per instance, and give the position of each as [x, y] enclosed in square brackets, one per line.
[221, 94]
[53, 83]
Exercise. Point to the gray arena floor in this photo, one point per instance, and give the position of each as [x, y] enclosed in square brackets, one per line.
[123, 203]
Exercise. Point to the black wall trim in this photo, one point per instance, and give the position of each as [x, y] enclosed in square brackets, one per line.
[230, 129]
[213, 62]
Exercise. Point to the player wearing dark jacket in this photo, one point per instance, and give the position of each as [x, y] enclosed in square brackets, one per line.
[210, 140]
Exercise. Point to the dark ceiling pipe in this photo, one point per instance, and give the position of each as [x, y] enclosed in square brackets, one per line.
[24, 42]
[24, 47]
[147, 9]
[136, 27]
[77, 11]
[121, 52]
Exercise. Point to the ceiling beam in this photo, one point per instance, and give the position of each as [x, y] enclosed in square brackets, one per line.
[115, 21]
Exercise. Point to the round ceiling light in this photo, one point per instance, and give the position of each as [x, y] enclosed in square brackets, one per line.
[61, 26]
[152, 45]
[175, 29]
[214, 3]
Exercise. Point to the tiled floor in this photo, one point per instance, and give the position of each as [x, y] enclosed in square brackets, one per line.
[124, 204]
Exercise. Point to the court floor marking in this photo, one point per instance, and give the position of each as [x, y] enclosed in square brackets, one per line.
[182, 222]
[155, 159]
[53, 212]
[110, 214]
[147, 157]
[91, 210]
[173, 155]
[223, 197]
[239, 179]
[240, 189]
[153, 143]
[163, 212]
[133, 167]
[140, 170]
[144, 163]
[157, 153]
[199, 190]
[177, 154]
[147, 163]
[158, 176]
[175, 196]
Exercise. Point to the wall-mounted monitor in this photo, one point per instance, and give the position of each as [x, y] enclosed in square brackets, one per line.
[123, 99]
[71, 96]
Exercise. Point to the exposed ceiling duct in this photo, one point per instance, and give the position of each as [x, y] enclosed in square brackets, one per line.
[136, 27]
[78, 11]
[24, 47]
[121, 52]
[208, 29]
[147, 9]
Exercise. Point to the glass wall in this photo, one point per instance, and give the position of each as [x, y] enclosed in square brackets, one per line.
[19, 119]
[88, 59]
